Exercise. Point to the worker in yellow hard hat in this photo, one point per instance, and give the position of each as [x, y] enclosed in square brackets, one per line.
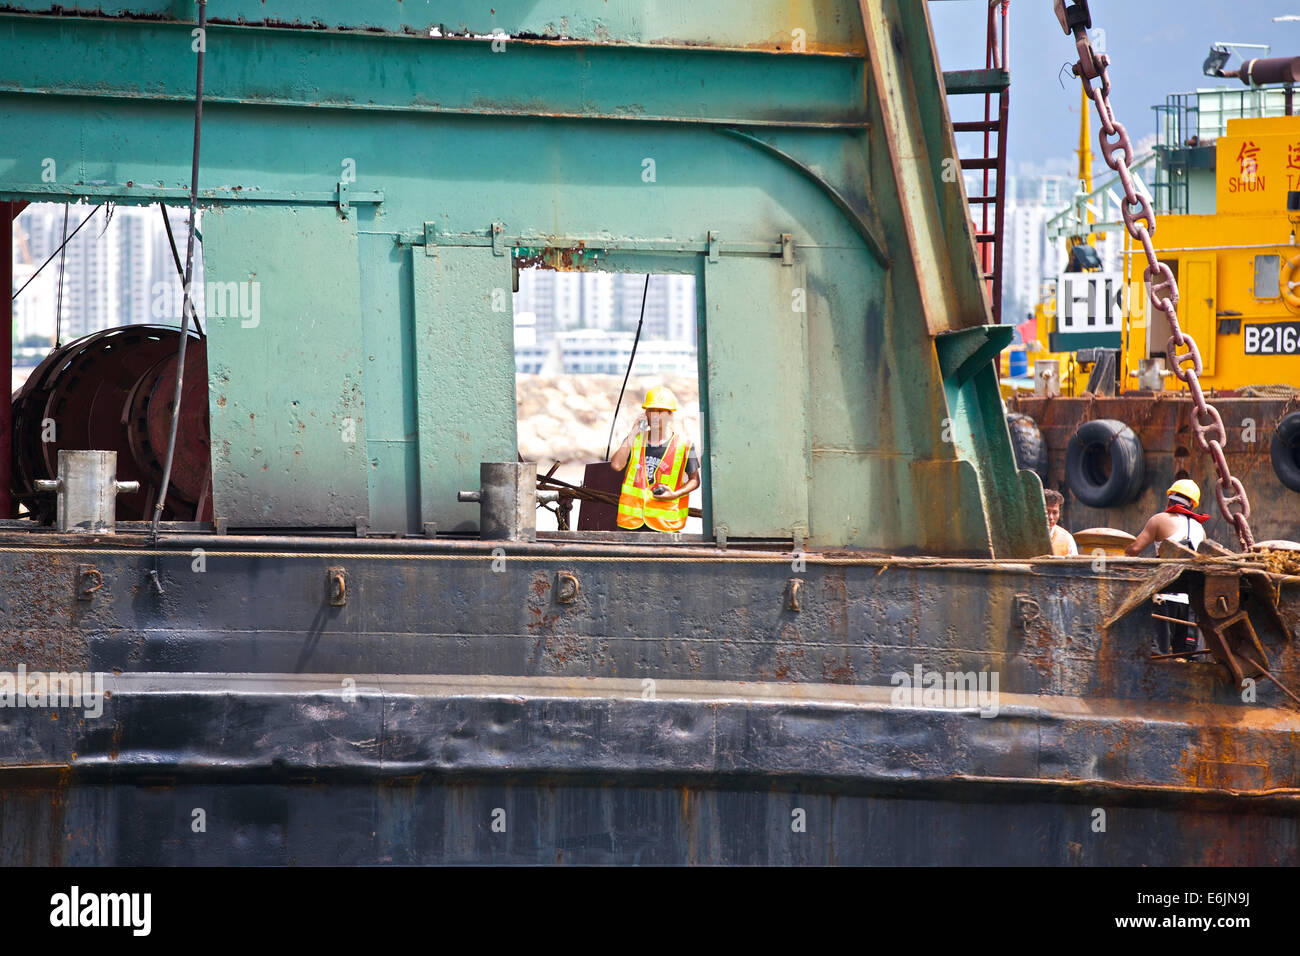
[660, 468]
[1179, 522]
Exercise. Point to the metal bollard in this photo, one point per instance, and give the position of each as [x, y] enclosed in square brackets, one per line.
[1151, 373]
[507, 500]
[87, 490]
[1047, 377]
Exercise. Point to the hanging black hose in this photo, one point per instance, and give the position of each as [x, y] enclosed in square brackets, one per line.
[176, 258]
[189, 272]
[58, 301]
[619, 404]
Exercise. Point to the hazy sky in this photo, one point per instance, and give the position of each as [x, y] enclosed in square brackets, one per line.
[1156, 47]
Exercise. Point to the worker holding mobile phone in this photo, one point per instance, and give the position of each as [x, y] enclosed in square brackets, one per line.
[660, 468]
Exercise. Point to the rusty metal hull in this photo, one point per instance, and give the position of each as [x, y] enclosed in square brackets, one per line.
[1162, 423]
[612, 728]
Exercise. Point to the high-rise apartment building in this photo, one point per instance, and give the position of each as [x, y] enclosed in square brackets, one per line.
[565, 301]
[1028, 258]
[117, 270]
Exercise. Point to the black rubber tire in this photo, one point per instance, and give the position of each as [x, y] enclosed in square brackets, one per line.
[1285, 451]
[1027, 443]
[1092, 444]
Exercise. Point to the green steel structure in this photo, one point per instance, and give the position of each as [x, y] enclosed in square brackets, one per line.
[376, 168]
[372, 175]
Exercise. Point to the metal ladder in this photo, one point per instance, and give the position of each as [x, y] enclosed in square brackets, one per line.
[989, 206]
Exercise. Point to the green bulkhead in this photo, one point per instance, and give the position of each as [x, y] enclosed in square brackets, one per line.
[372, 174]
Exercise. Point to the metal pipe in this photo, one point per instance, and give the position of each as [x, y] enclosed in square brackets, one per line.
[1269, 674]
[1278, 69]
[467, 547]
[1006, 36]
[1262, 245]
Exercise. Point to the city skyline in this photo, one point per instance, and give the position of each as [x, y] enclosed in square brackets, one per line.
[584, 323]
[1030, 258]
[610, 301]
[117, 269]
[1156, 47]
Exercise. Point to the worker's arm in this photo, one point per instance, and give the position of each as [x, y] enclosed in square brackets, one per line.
[1143, 541]
[692, 483]
[619, 461]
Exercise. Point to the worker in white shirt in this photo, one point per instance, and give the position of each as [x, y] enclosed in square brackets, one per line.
[1062, 541]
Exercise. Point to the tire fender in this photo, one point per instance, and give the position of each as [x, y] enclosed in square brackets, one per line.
[1096, 444]
[1027, 444]
[1285, 450]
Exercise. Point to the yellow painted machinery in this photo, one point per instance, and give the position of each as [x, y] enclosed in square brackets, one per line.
[1224, 177]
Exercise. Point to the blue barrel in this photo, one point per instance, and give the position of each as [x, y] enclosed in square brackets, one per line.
[1018, 364]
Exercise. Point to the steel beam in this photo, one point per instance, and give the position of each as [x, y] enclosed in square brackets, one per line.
[98, 60]
[898, 54]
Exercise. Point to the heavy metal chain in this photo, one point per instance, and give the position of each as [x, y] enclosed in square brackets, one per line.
[1140, 220]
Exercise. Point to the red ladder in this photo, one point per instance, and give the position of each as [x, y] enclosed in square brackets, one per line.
[988, 208]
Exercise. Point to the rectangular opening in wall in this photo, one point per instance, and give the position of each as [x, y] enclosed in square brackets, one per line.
[112, 265]
[611, 467]
[97, 303]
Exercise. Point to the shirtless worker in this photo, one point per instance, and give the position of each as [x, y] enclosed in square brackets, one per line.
[660, 469]
[1181, 524]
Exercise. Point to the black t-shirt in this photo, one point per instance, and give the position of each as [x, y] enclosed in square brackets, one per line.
[655, 453]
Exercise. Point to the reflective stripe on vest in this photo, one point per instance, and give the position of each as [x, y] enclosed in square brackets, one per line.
[636, 506]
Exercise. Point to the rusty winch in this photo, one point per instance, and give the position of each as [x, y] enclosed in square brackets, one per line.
[113, 391]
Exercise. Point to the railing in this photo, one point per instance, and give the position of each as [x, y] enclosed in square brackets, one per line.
[1187, 121]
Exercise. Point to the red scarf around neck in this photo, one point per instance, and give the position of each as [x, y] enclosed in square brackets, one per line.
[1180, 510]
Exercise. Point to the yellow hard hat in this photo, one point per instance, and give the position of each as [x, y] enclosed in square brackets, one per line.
[660, 397]
[1188, 489]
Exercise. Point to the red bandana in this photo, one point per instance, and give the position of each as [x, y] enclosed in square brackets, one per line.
[1180, 510]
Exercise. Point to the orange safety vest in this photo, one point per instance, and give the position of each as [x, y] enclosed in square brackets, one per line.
[636, 506]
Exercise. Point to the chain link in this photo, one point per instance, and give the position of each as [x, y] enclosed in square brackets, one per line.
[1162, 287]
